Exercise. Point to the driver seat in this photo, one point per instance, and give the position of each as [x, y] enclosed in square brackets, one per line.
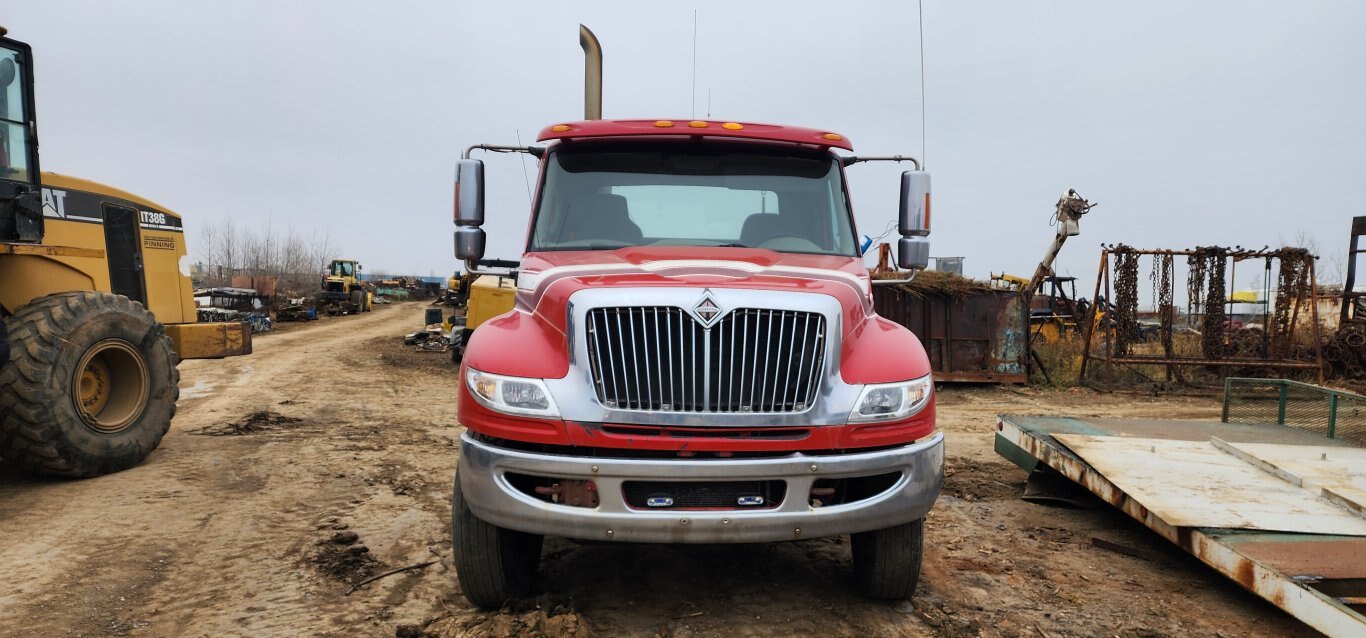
[604, 216]
[761, 227]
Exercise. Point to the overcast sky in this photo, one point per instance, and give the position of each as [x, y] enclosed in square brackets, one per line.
[1190, 123]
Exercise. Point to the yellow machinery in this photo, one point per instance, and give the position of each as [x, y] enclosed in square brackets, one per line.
[456, 287]
[343, 292]
[1055, 313]
[96, 304]
[489, 296]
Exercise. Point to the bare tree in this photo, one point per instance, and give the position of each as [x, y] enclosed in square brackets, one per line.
[295, 259]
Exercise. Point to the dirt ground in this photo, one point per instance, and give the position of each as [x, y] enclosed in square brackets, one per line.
[326, 457]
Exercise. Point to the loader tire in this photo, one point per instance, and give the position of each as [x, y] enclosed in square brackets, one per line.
[494, 564]
[89, 388]
[887, 561]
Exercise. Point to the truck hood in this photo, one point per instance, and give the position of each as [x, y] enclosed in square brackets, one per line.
[547, 279]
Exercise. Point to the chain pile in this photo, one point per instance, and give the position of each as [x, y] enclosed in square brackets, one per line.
[1293, 291]
[1216, 302]
[1195, 284]
[1164, 302]
[1126, 298]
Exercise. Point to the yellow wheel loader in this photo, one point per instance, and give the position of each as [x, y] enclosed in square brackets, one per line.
[96, 304]
[343, 292]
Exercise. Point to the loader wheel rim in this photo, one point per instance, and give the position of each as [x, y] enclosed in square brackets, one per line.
[111, 386]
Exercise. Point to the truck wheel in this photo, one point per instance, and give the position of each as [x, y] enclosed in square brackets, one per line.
[887, 561]
[494, 565]
[90, 386]
[358, 300]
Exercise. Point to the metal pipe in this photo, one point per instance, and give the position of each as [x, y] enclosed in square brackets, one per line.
[854, 159]
[500, 148]
[1314, 317]
[592, 74]
[893, 282]
[1231, 252]
[1235, 362]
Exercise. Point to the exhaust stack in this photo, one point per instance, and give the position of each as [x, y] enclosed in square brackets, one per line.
[592, 74]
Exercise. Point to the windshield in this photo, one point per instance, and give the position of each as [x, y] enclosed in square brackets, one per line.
[342, 269]
[14, 151]
[598, 198]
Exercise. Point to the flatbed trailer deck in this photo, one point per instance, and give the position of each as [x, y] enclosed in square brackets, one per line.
[1318, 578]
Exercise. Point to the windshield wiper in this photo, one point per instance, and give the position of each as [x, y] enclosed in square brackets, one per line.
[598, 247]
[734, 245]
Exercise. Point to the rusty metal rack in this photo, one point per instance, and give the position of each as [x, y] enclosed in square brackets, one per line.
[1117, 275]
[1319, 578]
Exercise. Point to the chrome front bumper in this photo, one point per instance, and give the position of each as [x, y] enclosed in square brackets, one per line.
[492, 498]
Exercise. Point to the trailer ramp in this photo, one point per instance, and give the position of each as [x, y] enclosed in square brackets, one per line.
[1255, 502]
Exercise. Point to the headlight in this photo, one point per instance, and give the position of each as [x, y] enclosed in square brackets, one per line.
[512, 395]
[892, 401]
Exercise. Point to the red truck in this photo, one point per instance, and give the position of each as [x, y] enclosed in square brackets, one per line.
[693, 357]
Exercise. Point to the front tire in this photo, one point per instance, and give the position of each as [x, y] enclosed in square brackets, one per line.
[494, 565]
[89, 388]
[887, 561]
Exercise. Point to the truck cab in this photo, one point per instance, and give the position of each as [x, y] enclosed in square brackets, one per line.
[693, 357]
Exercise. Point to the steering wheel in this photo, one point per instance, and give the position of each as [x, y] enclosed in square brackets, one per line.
[788, 235]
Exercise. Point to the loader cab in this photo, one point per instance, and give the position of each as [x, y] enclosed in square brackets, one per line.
[21, 213]
[343, 268]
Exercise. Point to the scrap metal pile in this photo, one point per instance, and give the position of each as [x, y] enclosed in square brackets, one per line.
[233, 304]
[1345, 351]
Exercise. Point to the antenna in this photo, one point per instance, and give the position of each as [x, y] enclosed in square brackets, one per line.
[693, 106]
[920, 9]
[525, 177]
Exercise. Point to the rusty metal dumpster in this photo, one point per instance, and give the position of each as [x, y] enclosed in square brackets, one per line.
[974, 336]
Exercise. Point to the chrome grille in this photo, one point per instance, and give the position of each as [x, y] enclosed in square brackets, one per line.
[658, 358]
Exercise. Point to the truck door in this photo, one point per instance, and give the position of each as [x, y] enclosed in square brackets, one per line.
[123, 251]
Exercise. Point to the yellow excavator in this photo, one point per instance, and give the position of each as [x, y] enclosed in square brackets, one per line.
[1055, 312]
[96, 304]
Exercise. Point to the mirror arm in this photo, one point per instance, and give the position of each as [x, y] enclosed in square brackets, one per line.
[854, 159]
[472, 266]
[534, 151]
[893, 282]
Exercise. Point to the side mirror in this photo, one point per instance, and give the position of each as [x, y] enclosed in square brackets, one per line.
[915, 204]
[469, 193]
[469, 209]
[913, 253]
[913, 250]
[469, 243]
